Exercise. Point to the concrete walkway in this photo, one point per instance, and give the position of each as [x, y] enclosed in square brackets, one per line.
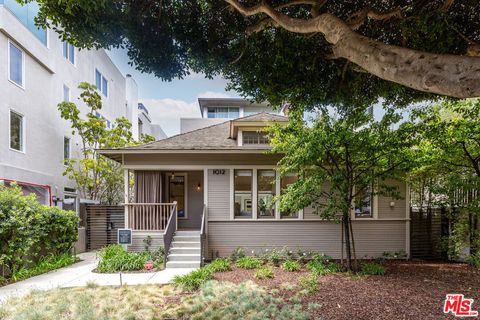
[79, 274]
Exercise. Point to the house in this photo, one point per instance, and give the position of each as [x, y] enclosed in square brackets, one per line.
[218, 110]
[203, 193]
[37, 71]
[145, 125]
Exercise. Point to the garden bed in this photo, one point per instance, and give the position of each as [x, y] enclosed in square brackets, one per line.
[409, 290]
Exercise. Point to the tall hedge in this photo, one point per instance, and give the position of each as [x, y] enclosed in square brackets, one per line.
[29, 230]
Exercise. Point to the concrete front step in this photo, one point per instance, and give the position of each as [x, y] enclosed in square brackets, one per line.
[185, 244]
[186, 238]
[184, 257]
[183, 264]
[185, 250]
[187, 233]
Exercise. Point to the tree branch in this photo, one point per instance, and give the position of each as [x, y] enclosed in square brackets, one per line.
[359, 17]
[444, 74]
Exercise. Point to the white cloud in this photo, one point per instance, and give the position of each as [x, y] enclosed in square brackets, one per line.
[167, 112]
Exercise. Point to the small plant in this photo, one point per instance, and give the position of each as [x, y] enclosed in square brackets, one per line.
[474, 260]
[322, 269]
[291, 266]
[249, 263]
[193, 280]
[115, 258]
[372, 268]
[238, 253]
[395, 255]
[288, 286]
[148, 242]
[321, 258]
[309, 282]
[45, 264]
[264, 273]
[276, 256]
[220, 265]
[313, 306]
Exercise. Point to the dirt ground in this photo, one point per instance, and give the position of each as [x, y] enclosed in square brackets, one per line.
[409, 290]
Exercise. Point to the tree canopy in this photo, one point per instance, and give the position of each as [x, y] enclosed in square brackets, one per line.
[308, 52]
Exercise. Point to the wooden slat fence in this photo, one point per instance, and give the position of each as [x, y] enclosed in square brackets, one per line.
[102, 225]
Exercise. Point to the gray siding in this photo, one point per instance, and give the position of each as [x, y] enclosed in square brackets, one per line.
[173, 159]
[400, 207]
[372, 238]
[139, 236]
[218, 195]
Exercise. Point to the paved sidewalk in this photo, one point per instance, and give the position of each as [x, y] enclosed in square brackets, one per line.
[79, 274]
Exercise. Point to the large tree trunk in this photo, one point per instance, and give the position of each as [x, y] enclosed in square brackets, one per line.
[444, 74]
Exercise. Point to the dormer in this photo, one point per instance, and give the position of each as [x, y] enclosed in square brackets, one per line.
[251, 132]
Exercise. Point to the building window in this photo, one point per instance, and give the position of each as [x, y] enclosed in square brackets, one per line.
[66, 150]
[140, 127]
[224, 112]
[285, 181]
[69, 52]
[243, 193]
[101, 83]
[26, 14]
[266, 193]
[66, 93]
[254, 137]
[16, 131]
[15, 64]
[364, 204]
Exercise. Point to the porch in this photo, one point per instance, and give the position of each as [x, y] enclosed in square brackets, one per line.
[166, 209]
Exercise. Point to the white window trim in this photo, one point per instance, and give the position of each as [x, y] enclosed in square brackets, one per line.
[240, 136]
[10, 42]
[68, 54]
[24, 145]
[374, 211]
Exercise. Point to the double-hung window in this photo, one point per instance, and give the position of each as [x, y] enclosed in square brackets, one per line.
[66, 150]
[266, 186]
[364, 203]
[243, 184]
[69, 52]
[17, 140]
[16, 64]
[101, 82]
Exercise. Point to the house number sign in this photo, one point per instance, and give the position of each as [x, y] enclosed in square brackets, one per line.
[219, 172]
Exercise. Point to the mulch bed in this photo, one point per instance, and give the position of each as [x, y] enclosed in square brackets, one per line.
[409, 290]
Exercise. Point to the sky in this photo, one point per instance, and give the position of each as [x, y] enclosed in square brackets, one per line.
[167, 102]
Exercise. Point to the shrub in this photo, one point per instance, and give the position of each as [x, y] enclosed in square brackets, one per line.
[29, 230]
[238, 253]
[373, 269]
[220, 265]
[193, 280]
[275, 256]
[291, 266]
[321, 268]
[249, 263]
[115, 258]
[225, 300]
[474, 260]
[309, 282]
[264, 273]
[45, 264]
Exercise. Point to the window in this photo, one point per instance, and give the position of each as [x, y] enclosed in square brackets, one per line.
[69, 52]
[101, 83]
[16, 131]
[224, 112]
[140, 127]
[364, 204]
[26, 14]
[66, 93]
[15, 64]
[254, 137]
[266, 193]
[285, 181]
[243, 193]
[66, 150]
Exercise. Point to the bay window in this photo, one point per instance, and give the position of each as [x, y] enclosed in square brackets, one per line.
[266, 193]
[242, 193]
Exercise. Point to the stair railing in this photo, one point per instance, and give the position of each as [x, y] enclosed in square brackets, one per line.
[203, 235]
[169, 232]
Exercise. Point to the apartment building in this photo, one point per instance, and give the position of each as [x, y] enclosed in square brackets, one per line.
[37, 71]
[145, 125]
[217, 110]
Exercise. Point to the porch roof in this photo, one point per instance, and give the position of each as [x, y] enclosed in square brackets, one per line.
[216, 138]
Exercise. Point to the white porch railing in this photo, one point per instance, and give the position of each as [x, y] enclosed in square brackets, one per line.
[149, 216]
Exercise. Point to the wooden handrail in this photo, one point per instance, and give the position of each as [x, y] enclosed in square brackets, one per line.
[203, 231]
[169, 232]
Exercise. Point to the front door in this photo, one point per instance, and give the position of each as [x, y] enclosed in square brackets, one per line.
[176, 192]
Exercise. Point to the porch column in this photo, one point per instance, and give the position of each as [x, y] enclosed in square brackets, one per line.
[126, 178]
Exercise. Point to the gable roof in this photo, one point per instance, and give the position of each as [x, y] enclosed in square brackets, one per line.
[215, 137]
